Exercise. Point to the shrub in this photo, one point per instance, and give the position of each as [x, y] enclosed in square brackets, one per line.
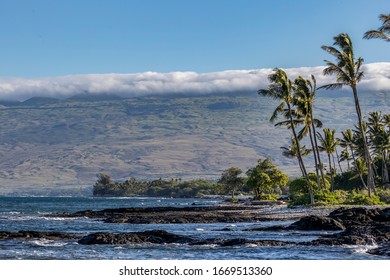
[347, 180]
[269, 196]
[384, 195]
[299, 185]
[360, 198]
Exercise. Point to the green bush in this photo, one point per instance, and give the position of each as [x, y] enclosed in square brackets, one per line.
[361, 198]
[299, 186]
[300, 199]
[269, 196]
[328, 197]
[384, 195]
[348, 180]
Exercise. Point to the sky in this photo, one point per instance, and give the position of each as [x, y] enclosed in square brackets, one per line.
[66, 42]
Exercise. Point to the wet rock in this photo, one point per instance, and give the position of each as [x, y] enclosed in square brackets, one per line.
[316, 223]
[380, 251]
[152, 236]
[176, 215]
[364, 226]
[35, 234]
[272, 228]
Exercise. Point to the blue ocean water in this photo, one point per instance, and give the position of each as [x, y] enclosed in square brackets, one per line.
[31, 213]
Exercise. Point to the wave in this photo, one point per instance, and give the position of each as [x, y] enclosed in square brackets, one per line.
[47, 243]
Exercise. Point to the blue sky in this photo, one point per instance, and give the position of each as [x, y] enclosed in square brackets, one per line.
[44, 38]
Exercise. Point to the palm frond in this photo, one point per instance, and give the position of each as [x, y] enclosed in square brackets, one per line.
[332, 86]
[318, 123]
[376, 34]
[331, 50]
[276, 112]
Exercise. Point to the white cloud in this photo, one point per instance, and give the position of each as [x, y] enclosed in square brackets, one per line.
[376, 78]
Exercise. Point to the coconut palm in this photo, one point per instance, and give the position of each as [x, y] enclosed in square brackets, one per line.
[305, 92]
[382, 32]
[281, 88]
[348, 73]
[329, 145]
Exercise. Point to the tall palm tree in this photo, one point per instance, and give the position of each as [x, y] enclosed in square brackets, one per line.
[305, 92]
[348, 73]
[329, 145]
[281, 88]
[382, 32]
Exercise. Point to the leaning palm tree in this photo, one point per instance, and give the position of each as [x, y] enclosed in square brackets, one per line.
[348, 73]
[305, 92]
[329, 145]
[281, 88]
[382, 32]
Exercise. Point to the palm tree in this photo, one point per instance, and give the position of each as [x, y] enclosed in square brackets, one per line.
[348, 72]
[281, 88]
[305, 93]
[347, 142]
[292, 150]
[379, 138]
[329, 145]
[382, 32]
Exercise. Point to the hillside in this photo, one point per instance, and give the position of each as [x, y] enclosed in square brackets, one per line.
[51, 143]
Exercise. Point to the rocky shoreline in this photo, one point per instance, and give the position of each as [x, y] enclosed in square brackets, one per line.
[351, 226]
[197, 214]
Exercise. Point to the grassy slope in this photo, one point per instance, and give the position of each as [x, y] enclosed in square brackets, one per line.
[68, 142]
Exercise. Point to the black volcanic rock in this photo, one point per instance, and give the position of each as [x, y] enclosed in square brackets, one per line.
[380, 251]
[152, 236]
[35, 234]
[316, 223]
[175, 215]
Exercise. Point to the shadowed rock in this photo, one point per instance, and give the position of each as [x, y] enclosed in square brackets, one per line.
[35, 234]
[152, 236]
[316, 223]
[176, 215]
[381, 251]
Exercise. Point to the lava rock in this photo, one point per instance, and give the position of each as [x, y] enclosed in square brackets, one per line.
[316, 223]
[152, 236]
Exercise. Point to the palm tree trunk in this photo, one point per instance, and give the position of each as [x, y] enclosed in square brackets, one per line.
[338, 161]
[315, 158]
[304, 172]
[370, 175]
[331, 172]
[320, 166]
[385, 171]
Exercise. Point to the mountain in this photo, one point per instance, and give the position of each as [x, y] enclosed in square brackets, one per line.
[9, 103]
[89, 97]
[54, 144]
[39, 101]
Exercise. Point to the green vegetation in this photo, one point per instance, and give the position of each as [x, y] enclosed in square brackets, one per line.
[104, 186]
[231, 181]
[266, 180]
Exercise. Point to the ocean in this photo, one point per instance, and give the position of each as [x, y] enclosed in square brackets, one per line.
[35, 214]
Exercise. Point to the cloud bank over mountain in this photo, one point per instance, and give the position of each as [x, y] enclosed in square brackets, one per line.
[377, 78]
